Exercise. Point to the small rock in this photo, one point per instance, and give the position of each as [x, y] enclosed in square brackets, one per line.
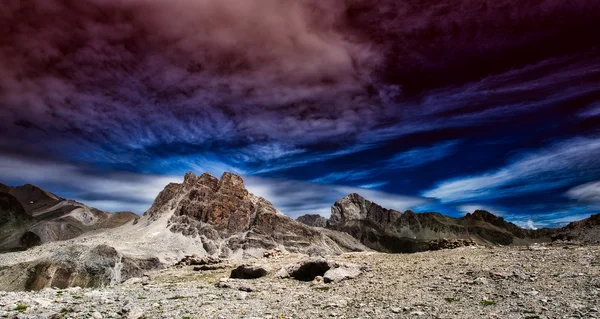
[246, 288]
[96, 315]
[396, 310]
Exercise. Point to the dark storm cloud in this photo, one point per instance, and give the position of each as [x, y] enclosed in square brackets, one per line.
[128, 75]
[263, 87]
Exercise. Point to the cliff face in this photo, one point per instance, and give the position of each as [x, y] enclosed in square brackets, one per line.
[313, 220]
[392, 231]
[231, 222]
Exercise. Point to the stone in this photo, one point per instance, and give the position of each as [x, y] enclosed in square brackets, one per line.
[250, 271]
[96, 315]
[336, 275]
[271, 253]
[318, 269]
[195, 260]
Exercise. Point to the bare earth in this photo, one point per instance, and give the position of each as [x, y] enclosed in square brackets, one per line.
[560, 281]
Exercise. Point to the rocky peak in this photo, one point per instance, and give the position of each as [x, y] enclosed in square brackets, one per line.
[228, 220]
[231, 184]
[206, 179]
[356, 208]
[313, 220]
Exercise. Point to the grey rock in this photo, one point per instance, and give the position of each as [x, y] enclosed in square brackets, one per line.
[250, 271]
[336, 275]
[313, 220]
[312, 269]
[81, 266]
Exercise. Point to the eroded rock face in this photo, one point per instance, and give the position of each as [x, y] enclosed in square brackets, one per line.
[81, 266]
[313, 220]
[230, 221]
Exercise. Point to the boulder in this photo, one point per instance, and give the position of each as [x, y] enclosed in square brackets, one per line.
[330, 271]
[250, 271]
[336, 275]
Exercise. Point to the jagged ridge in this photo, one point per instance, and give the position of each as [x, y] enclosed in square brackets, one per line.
[392, 231]
[232, 222]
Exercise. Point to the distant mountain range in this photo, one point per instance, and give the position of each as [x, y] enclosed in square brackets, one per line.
[69, 243]
[388, 230]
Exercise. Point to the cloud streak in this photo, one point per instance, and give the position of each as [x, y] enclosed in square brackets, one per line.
[559, 165]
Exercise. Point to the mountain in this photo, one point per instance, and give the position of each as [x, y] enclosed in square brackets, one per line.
[203, 216]
[229, 221]
[31, 216]
[586, 231]
[392, 231]
[313, 220]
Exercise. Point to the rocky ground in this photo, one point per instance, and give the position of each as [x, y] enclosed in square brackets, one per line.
[552, 281]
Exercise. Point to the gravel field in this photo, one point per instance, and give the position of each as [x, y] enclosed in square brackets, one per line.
[540, 281]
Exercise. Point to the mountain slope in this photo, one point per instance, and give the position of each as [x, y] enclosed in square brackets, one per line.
[585, 231]
[33, 216]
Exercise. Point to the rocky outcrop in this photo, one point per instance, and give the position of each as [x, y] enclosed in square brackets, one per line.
[31, 216]
[231, 222]
[330, 271]
[81, 266]
[392, 231]
[445, 243]
[313, 220]
[586, 231]
[13, 223]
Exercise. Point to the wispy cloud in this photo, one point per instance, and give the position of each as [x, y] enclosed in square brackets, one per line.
[295, 198]
[410, 158]
[422, 155]
[588, 193]
[374, 185]
[558, 165]
[346, 176]
[470, 208]
[592, 111]
[111, 191]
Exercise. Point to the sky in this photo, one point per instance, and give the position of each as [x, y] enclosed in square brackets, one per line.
[437, 105]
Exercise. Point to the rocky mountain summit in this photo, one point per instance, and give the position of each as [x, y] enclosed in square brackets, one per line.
[388, 230]
[30, 216]
[313, 220]
[231, 222]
